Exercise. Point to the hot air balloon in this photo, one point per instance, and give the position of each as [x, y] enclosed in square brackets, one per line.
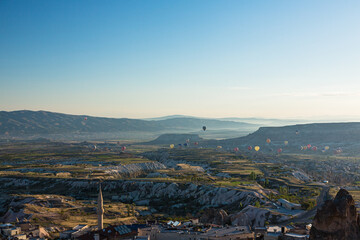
[297, 132]
[249, 148]
[180, 145]
[187, 140]
[219, 147]
[185, 144]
[268, 140]
[123, 148]
[279, 150]
[85, 118]
[172, 146]
[286, 143]
[338, 150]
[236, 149]
[196, 143]
[257, 148]
[314, 148]
[305, 147]
[309, 146]
[326, 147]
[204, 128]
[302, 148]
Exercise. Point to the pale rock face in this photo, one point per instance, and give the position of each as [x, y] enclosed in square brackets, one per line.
[133, 169]
[337, 219]
[255, 217]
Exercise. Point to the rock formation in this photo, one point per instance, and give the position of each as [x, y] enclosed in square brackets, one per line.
[256, 217]
[215, 216]
[337, 219]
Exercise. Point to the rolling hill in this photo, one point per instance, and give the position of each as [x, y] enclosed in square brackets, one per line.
[166, 139]
[42, 123]
[334, 135]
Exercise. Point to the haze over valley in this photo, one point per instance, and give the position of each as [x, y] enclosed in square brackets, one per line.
[179, 120]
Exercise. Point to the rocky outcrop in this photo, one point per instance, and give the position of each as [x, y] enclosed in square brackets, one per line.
[337, 219]
[215, 216]
[255, 217]
[12, 216]
[134, 169]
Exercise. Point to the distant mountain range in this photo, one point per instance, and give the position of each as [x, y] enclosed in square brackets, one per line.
[25, 123]
[273, 122]
[257, 121]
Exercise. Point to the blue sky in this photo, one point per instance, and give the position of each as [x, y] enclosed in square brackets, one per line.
[282, 59]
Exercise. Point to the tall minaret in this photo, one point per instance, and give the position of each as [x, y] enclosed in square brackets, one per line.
[100, 209]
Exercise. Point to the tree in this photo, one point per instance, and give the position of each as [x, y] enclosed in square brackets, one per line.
[283, 190]
[252, 176]
[128, 210]
[133, 209]
[266, 182]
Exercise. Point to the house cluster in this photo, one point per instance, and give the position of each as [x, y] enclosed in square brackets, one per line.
[186, 231]
[22, 231]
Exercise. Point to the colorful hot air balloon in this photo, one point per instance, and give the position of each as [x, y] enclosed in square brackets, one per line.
[268, 140]
[286, 143]
[185, 144]
[249, 148]
[204, 128]
[326, 147]
[338, 150]
[305, 147]
[123, 148]
[302, 148]
[236, 149]
[279, 150]
[85, 118]
[314, 148]
[187, 140]
[219, 147]
[196, 143]
[257, 148]
[172, 146]
[309, 146]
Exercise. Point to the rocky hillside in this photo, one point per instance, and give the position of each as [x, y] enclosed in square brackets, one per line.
[337, 219]
[161, 195]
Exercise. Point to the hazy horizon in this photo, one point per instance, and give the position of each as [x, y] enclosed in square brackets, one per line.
[229, 118]
[215, 59]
